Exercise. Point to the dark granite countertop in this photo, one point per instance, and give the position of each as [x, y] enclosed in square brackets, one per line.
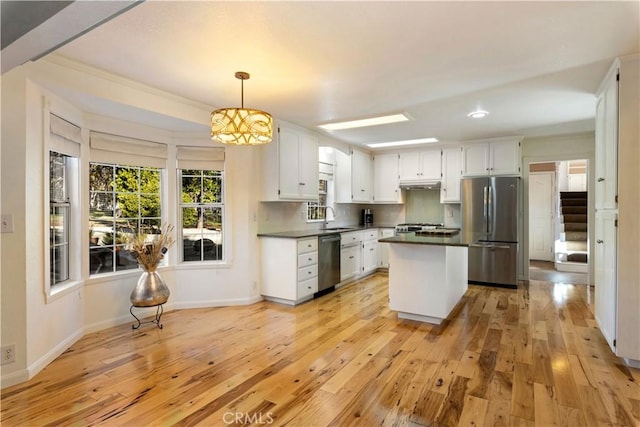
[460, 239]
[298, 234]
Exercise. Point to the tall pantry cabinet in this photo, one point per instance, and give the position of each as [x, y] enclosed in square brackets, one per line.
[617, 201]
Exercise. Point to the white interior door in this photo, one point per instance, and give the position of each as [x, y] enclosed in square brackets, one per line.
[541, 215]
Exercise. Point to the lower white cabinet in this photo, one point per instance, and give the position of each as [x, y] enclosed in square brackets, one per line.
[349, 262]
[605, 272]
[289, 269]
[383, 248]
[350, 254]
[359, 253]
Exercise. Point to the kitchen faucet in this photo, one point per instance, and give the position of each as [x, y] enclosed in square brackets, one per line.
[325, 222]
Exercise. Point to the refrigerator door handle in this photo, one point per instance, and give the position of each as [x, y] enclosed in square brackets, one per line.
[485, 194]
[489, 246]
[489, 209]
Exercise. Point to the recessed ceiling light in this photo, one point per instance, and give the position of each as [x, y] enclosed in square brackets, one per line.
[478, 114]
[372, 121]
[405, 142]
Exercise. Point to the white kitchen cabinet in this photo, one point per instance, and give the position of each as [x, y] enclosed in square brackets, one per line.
[420, 166]
[289, 269]
[491, 158]
[606, 161]
[349, 262]
[290, 166]
[605, 261]
[383, 248]
[386, 188]
[369, 256]
[451, 174]
[360, 176]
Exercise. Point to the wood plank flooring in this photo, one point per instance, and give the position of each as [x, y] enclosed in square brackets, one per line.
[525, 357]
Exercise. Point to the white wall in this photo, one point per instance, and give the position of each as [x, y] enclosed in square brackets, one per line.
[13, 290]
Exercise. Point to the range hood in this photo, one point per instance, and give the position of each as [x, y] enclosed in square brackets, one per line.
[423, 185]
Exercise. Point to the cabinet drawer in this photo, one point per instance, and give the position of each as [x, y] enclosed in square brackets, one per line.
[307, 259]
[351, 237]
[305, 273]
[308, 245]
[307, 287]
[371, 234]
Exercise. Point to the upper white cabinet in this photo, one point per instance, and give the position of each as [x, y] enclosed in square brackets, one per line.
[420, 166]
[290, 166]
[385, 178]
[360, 176]
[607, 142]
[491, 158]
[451, 174]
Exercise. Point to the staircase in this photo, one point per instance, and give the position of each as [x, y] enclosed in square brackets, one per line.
[572, 247]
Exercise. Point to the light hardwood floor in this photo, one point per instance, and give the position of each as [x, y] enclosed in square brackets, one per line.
[531, 356]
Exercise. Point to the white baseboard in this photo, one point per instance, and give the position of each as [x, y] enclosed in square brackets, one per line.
[215, 303]
[572, 267]
[31, 371]
[14, 378]
[632, 362]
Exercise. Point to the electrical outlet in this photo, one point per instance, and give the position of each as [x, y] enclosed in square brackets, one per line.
[8, 353]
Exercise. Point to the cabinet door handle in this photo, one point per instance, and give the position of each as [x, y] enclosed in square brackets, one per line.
[310, 259]
[599, 241]
[308, 272]
[301, 183]
[351, 257]
[600, 179]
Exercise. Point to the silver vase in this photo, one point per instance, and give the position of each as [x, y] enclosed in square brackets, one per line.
[150, 290]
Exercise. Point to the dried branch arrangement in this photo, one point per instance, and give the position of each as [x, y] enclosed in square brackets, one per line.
[149, 252]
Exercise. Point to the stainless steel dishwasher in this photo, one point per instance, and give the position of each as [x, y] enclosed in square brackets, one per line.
[328, 263]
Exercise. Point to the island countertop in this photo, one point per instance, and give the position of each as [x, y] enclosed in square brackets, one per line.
[460, 239]
[297, 234]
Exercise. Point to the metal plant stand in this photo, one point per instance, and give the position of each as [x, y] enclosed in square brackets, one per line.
[156, 320]
[151, 291]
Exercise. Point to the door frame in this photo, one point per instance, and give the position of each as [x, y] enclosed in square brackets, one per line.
[554, 209]
[526, 162]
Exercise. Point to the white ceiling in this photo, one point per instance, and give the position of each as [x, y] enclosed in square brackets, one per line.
[533, 65]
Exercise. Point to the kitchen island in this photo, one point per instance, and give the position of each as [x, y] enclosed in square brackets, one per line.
[427, 275]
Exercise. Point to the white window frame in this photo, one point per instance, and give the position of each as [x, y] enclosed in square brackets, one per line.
[63, 137]
[221, 205]
[138, 219]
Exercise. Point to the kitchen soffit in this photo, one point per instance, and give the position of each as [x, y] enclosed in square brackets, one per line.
[534, 65]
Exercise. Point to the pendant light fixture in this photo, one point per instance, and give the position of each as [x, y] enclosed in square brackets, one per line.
[241, 126]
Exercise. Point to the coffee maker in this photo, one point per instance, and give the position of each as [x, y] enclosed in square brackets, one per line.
[366, 217]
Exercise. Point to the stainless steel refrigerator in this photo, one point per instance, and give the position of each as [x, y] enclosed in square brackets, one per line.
[490, 218]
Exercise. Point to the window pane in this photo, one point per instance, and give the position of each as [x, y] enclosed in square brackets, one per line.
[57, 186]
[149, 181]
[100, 260]
[149, 205]
[59, 264]
[191, 172]
[150, 225]
[212, 187]
[100, 177]
[124, 259]
[127, 179]
[59, 225]
[127, 205]
[191, 189]
[100, 205]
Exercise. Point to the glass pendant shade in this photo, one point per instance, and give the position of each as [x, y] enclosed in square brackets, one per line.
[241, 126]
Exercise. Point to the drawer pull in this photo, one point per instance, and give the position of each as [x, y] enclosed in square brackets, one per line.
[351, 257]
[310, 259]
